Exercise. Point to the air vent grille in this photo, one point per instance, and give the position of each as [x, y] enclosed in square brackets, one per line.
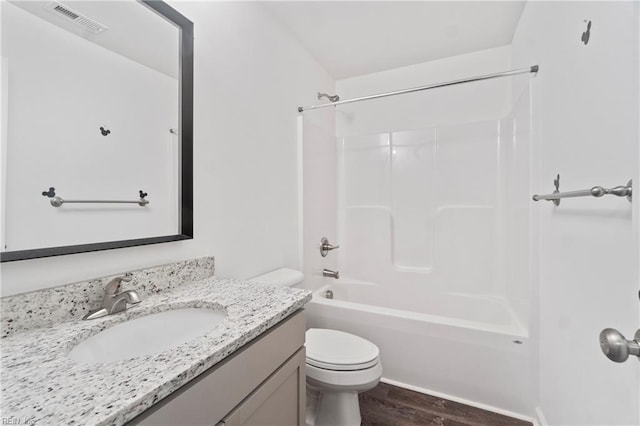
[91, 25]
[76, 17]
[66, 12]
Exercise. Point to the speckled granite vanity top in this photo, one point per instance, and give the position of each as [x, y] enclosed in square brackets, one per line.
[41, 385]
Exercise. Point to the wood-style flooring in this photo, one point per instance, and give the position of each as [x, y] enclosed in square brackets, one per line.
[390, 405]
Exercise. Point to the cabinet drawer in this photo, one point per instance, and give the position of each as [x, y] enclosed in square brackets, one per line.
[211, 396]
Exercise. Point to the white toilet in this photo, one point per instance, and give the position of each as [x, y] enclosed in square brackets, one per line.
[339, 366]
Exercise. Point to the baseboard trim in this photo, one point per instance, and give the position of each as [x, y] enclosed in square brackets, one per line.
[467, 402]
[540, 420]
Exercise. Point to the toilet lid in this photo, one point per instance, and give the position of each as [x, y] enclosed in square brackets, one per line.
[337, 350]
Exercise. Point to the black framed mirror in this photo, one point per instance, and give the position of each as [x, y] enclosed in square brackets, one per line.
[98, 111]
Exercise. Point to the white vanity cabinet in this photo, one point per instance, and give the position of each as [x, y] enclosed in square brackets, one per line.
[261, 384]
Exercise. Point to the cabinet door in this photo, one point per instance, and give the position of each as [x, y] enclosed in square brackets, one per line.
[279, 401]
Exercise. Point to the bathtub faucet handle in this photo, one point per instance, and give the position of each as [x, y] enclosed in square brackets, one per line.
[331, 274]
[326, 247]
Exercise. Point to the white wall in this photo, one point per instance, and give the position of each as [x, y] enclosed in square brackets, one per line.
[250, 76]
[61, 89]
[466, 103]
[586, 129]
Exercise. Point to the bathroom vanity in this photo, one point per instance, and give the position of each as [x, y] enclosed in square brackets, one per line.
[263, 383]
[247, 369]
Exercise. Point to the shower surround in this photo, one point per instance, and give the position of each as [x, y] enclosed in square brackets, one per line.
[433, 225]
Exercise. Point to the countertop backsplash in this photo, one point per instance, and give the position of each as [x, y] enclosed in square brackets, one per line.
[42, 308]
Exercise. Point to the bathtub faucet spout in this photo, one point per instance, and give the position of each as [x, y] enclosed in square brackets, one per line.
[331, 274]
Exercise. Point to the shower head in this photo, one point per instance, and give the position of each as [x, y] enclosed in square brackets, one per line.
[334, 98]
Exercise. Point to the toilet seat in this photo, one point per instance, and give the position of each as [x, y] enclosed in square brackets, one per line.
[339, 351]
[346, 381]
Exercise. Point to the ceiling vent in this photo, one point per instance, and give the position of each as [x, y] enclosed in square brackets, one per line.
[76, 17]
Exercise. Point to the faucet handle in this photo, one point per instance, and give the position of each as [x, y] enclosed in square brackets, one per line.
[326, 247]
[114, 284]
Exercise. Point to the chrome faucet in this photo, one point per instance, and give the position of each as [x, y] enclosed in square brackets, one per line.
[114, 300]
[331, 274]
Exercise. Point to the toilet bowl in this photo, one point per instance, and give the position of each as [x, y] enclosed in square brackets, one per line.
[339, 365]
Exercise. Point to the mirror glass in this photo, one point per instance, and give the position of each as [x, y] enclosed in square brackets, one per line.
[91, 126]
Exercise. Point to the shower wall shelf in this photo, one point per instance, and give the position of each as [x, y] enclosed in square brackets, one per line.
[596, 191]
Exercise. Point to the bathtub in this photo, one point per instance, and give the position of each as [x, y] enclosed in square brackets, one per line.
[460, 347]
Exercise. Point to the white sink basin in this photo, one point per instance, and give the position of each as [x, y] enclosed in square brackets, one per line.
[147, 335]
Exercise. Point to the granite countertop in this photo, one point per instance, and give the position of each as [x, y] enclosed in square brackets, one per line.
[41, 385]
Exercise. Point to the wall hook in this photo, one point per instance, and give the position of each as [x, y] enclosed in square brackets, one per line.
[50, 193]
[587, 34]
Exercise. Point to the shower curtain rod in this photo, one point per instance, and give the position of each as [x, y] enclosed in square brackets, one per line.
[531, 69]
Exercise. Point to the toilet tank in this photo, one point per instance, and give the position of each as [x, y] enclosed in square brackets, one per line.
[283, 277]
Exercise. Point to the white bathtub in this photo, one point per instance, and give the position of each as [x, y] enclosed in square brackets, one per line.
[465, 348]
